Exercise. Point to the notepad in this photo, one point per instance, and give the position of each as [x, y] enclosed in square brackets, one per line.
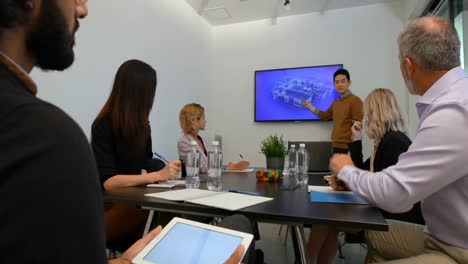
[168, 184]
[177, 182]
[244, 170]
[161, 185]
[325, 194]
[181, 195]
[224, 200]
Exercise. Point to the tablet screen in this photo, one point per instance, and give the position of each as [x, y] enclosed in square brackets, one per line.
[185, 244]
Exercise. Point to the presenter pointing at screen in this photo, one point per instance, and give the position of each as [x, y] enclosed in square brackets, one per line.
[344, 111]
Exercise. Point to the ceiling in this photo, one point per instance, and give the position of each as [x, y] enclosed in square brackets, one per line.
[222, 12]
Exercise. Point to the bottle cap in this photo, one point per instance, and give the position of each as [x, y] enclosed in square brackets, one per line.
[302, 145]
[193, 143]
[215, 143]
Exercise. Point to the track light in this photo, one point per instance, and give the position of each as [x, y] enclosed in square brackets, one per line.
[287, 5]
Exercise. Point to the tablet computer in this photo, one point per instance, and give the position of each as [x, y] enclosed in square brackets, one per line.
[183, 241]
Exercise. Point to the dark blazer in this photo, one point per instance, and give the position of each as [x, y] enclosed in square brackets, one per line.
[390, 147]
[48, 181]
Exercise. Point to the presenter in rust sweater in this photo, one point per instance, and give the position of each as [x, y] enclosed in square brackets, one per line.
[344, 111]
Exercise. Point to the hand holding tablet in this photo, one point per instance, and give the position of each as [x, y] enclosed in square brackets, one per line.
[183, 241]
[130, 253]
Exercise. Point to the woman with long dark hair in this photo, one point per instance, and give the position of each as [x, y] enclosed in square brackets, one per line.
[121, 142]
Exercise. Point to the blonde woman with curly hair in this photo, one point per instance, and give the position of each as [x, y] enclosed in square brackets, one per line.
[192, 120]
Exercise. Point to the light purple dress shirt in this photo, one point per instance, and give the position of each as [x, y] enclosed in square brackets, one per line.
[434, 170]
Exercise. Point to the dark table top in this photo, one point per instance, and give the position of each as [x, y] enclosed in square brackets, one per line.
[288, 206]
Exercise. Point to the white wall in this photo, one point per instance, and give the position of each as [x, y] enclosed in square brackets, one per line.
[412, 9]
[167, 34]
[362, 38]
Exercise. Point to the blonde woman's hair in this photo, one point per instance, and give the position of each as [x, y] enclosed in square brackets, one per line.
[189, 115]
[382, 114]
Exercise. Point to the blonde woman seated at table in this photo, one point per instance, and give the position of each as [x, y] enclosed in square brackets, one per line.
[385, 125]
[192, 120]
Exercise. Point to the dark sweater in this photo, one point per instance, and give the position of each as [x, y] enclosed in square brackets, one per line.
[390, 147]
[112, 156]
[51, 205]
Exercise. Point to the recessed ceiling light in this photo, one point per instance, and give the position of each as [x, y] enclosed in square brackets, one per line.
[217, 13]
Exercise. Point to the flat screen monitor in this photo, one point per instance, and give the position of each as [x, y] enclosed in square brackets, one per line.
[279, 92]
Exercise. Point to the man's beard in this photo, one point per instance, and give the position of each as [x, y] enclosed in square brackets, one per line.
[49, 41]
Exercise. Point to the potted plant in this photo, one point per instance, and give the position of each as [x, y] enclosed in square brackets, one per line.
[274, 148]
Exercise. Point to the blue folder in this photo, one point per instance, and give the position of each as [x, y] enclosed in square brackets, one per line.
[346, 198]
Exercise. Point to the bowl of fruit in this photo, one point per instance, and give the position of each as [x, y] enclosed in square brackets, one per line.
[268, 175]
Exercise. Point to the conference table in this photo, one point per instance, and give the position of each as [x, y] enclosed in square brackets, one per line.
[291, 207]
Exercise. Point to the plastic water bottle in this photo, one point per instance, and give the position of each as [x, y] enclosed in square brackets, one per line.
[302, 165]
[285, 175]
[286, 166]
[289, 180]
[215, 168]
[192, 165]
[292, 156]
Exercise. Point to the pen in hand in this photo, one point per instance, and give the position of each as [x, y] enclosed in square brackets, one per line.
[160, 157]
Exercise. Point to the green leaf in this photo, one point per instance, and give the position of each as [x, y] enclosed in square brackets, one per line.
[273, 146]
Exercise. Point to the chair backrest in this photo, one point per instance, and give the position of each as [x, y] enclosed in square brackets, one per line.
[320, 153]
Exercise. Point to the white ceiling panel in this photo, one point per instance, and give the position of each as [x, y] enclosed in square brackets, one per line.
[249, 10]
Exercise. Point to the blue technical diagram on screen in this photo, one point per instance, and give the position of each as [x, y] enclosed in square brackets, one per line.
[279, 93]
[187, 244]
